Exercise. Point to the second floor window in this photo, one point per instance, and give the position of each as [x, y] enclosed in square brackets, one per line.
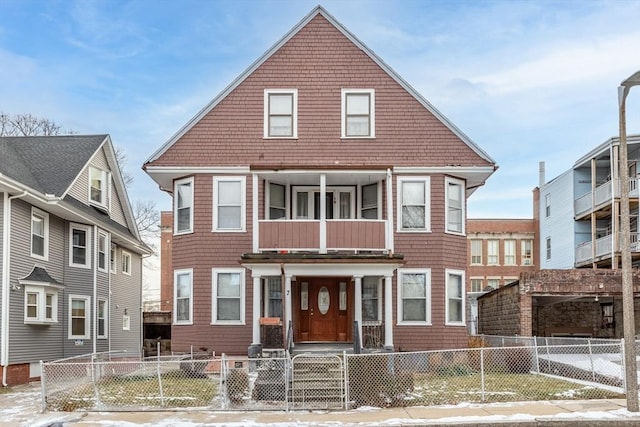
[369, 206]
[39, 234]
[492, 252]
[358, 113]
[455, 205]
[280, 113]
[229, 204]
[277, 201]
[509, 252]
[80, 253]
[527, 252]
[413, 204]
[183, 195]
[476, 252]
[547, 205]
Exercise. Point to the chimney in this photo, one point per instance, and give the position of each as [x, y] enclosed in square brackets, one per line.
[541, 178]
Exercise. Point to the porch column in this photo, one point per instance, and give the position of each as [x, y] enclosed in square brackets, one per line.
[388, 313]
[323, 213]
[358, 306]
[287, 305]
[257, 298]
[389, 233]
[255, 229]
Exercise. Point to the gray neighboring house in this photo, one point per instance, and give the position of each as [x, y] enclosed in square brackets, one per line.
[70, 254]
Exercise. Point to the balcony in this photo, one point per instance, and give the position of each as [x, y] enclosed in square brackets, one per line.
[603, 195]
[309, 235]
[603, 249]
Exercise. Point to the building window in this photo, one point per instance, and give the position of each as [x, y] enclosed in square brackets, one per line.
[455, 297]
[413, 204]
[39, 234]
[476, 252]
[369, 202]
[102, 251]
[493, 284]
[183, 196]
[358, 113]
[126, 322]
[98, 186]
[228, 296]
[280, 113]
[547, 205]
[273, 300]
[548, 248]
[102, 319]
[277, 201]
[229, 204]
[126, 263]
[371, 294]
[112, 258]
[509, 252]
[607, 315]
[414, 300]
[455, 205]
[476, 285]
[40, 304]
[492, 251]
[339, 202]
[79, 317]
[527, 252]
[79, 250]
[183, 303]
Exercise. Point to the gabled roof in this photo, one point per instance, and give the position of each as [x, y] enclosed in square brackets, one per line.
[319, 10]
[47, 164]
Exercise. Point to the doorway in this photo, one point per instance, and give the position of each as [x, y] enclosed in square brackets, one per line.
[323, 309]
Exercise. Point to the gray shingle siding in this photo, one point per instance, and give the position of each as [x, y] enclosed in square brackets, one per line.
[127, 294]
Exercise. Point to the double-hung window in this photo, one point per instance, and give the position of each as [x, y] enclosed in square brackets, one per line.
[102, 316]
[102, 251]
[39, 234]
[98, 186]
[79, 317]
[413, 204]
[126, 263]
[228, 296]
[183, 199]
[476, 252]
[476, 285]
[414, 301]
[358, 113]
[527, 252]
[183, 297]
[493, 246]
[455, 297]
[79, 248]
[509, 252]
[229, 212]
[280, 113]
[455, 199]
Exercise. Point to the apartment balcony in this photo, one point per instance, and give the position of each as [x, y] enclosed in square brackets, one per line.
[603, 251]
[355, 235]
[602, 197]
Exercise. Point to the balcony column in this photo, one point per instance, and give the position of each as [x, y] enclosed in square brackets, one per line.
[257, 298]
[323, 213]
[388, 313]
[255, 227]
[389, 231]
[357, 313]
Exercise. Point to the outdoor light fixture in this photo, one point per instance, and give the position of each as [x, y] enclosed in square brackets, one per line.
[630, 364]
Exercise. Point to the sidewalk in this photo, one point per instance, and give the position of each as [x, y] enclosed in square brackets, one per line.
[22, 408]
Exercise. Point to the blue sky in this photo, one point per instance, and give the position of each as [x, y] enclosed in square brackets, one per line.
[528, 81]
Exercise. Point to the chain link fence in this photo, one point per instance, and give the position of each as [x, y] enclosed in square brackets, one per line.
[518, 372]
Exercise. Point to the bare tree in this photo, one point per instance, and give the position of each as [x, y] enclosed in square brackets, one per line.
[121, 158]
[27, 125]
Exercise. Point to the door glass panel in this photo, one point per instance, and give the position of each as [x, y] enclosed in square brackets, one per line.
[316, 205]
[323, 300]
[302, 205]
[345, 205]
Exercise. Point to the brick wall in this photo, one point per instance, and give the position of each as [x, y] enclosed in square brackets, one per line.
[166, 270]
[17, 374]
[499, 312]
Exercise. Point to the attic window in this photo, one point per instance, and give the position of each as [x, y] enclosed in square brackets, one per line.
[280, 113]
[98, 186]
[358, 113]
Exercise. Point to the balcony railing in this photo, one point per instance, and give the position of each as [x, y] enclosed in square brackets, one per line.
[602, 196]
[308, 235]
[603, 248]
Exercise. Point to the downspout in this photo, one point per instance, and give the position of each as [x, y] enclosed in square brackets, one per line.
[4, 321]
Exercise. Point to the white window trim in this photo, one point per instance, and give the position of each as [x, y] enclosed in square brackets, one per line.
[497, 254]
[506, 255]
[87, 318]
[176, 184]
[107, 258]
[42, 290]
[267, 200]
[310, 190]
[482, 286]
[105, 181]
[243, 204]
[176, 273]
[343, 113]
[472, 254]
[113, 252]
[463, 201]
[461, 274]
[87, 231]
[45, 220]
[427, 198]
[427, 273]
[105, 319]
[214, 293]
[126, 254]
[524, 259]
[294, 118]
